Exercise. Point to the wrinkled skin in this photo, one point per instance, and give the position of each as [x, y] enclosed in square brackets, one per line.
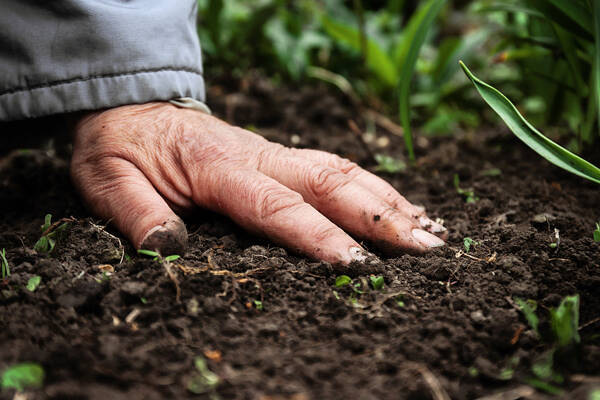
[139, 165]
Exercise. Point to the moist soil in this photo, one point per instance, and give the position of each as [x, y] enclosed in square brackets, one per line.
[106, 323]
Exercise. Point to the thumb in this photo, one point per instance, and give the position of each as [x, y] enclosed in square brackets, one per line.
[118, 191]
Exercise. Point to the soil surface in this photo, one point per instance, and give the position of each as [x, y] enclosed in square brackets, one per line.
[106, 323]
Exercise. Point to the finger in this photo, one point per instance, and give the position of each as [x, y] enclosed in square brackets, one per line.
[376, 185]
[349, 204]
[260, 204]
[119, 192]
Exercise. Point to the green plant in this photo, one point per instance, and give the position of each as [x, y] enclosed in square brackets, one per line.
[50, 233]
[33, 283]
[157, 256]
[564, 322]
[377, 282]
[258, 304]
[597, 232]
[5, 268]
[203, 380]
[545, 147]
[468, 194]
[389, 164]
[393, 65]
[468, 242]
[23, 376]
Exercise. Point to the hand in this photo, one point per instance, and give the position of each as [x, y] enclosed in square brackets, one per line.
[135, 164]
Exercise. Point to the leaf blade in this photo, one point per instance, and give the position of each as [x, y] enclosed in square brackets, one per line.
[416, 39]
[539, 143]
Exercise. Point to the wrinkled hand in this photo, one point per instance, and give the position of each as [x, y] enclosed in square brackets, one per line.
[135, 164]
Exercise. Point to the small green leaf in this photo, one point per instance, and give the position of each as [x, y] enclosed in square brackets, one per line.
[33, 283]
[565, 321]
[42, 245]
[172, 257]
[204, 380]
[597, 233]
[467, 243]
[23, 376]
[594, 394]
[491, 172]
[545, 147]
[148, 253]
[144, 300]
[47, 222]
[389, 164]
[528, 309]
[342, 280]
[258, 304]
[377, 282]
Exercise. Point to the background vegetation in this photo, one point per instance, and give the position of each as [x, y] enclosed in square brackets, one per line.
[402, 57]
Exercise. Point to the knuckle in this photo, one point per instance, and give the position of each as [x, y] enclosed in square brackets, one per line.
[323, 234]
[273, 201]
[325, 181]
[344, 165]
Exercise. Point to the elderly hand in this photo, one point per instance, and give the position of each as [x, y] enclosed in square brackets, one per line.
[134, 165]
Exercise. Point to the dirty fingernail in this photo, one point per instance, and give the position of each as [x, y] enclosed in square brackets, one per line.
[358, 254]
[168, 238]
[426, 238]
[431, 226]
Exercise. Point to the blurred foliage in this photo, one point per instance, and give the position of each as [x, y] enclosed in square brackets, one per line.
[539, 53]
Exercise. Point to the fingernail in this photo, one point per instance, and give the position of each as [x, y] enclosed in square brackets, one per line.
[426, 238]
[358, 254]
[167, 239]
[420, 208]
[431, 226]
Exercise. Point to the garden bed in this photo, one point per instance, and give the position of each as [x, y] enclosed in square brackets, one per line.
[107, 323]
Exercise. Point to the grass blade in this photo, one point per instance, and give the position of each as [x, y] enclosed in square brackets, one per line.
[545, 147]
[415, 38]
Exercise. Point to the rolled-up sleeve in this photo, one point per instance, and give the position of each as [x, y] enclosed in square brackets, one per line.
[71, 55]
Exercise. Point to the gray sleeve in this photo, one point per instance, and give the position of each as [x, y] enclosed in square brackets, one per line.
[70, 55]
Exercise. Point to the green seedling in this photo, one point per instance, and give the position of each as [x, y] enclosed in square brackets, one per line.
[342, 280]
[597, 232]
[389, 164]
[468, 194]
[50, 232]
[491, 172]
[258, 304]
[565, 321]
[157, 256]
[203, 380]
[528, 308]
[468, 243]
[144, 300]
[33, 283]
[377, 282]
[23, 376]
[5, 267]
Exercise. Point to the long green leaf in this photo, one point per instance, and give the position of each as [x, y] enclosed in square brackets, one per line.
[377, 60]
[416, 39]
[545, 147]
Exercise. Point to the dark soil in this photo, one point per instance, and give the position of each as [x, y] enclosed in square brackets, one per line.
[445, 323]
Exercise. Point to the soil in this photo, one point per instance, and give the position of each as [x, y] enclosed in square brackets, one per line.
[106, 323]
